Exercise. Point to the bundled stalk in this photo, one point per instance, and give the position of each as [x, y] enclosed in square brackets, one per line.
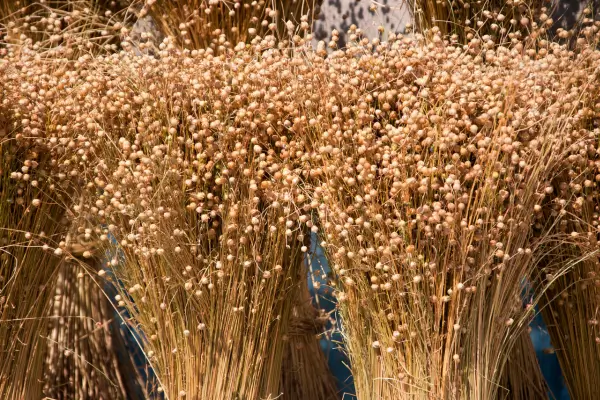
[427, 211]
[465, 20]
[27, 222]
[570, 304]
[219, 25]
[48, 311]
[305, 373]
[66, 28]
[213, 252]
[570, 309]
[523, 377]
[85, 352]
[49, 316]
[234, 22]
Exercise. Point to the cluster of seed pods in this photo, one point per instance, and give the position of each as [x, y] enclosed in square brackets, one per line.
[438, 177]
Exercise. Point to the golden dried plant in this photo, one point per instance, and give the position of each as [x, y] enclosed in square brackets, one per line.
[424, 165]
[220, 24]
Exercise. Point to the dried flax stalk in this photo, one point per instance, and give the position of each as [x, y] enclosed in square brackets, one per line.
[84, 344]
[523, 379]
[306, 374]
[200, 24]
[570, 308]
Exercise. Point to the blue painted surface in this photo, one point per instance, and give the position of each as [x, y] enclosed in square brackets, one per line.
[332, 346]
[548, 362]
